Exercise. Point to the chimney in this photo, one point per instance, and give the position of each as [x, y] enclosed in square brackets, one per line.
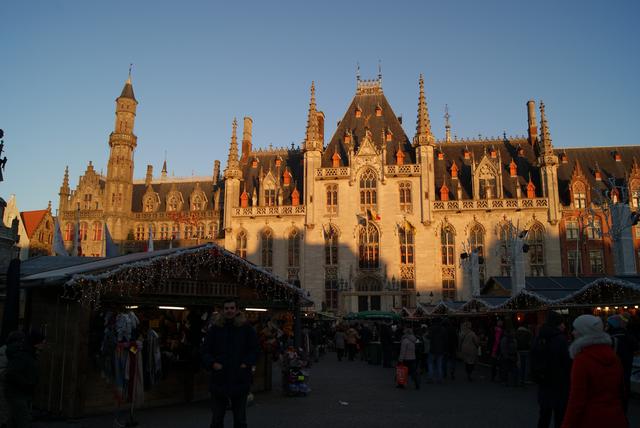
[246, 139]
[149, 177]
[533, 128]
[216, 172]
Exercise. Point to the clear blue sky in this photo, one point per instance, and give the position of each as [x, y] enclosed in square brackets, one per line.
[200, 63]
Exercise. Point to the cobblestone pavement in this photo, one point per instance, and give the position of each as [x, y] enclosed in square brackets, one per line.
[372, 401]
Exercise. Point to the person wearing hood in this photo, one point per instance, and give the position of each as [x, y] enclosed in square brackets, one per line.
[230, 351]
[21, 375]
[595, 398]
[407, 355]
[625, 345]
[551, 368]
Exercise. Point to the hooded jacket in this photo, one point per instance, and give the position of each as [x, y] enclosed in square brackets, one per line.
[595, 398]
[231, 343]
[407, 348]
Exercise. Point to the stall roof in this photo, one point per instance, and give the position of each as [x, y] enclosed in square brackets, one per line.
[69, 270]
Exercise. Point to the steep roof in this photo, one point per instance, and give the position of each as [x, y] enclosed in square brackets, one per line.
[367, 101]
[291, 160]
[127, 90]
[506, 150]
[185, 187]
[31, 220]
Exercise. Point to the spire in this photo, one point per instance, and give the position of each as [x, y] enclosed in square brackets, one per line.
[163, 173]
[547, 146]
[64, 189]
[312, 139]
[127, 91]
[232, 162]
[447, 125]
[423, 125]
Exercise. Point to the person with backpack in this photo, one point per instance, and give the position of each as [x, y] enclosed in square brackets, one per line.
[550, 368]
[596, 395]
[625, 345]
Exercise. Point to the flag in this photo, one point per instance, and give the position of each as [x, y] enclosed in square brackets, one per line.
[76, 235]
[372, 215]
[110, 248]
[150, 243]
[58, 243]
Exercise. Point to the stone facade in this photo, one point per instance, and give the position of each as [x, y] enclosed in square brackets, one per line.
[371, 219]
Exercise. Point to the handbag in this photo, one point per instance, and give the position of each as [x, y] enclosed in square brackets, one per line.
[402, 374]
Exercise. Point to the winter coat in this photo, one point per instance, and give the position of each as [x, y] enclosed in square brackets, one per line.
[339, 339]
[452, 339]
[230, 343]
[625, 346]
[407, 348]
[438, 339]
[469, 346]
[596, 393]
[497, 337]
[524, 337]
[21, 374]
[551, 351]
[352, 336]
[508, 347]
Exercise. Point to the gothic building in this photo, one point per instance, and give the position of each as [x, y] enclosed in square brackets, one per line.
[369, 219]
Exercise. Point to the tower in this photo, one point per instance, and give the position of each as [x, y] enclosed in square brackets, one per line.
[549, 168]
[424, 143]
[65, 192]
[312, 155]
[232, 175]
[119, 183]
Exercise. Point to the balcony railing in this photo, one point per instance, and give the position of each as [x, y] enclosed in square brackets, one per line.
[84, 214]
[490, 204]
[403, 170]
[269, 211]
[326, 173]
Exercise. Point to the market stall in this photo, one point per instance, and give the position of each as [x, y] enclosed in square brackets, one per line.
[126, 331]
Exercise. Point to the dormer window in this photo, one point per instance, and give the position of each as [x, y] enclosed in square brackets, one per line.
[358, 112]
[564, 158]
[378, 111]
[286, 177]
[617, 156]
[270, 197]
[295, 198]
[335, 160]
[521, 152]
[400, 157]
[467, 154]
[278, 162]
[579, 196]
[244, 200]
[197, 203]
[347, 139]
[254, 163]
[493, 153]
[513, 169]
[598, 175]
[615, 197]
[444, 193]
[173, 203]
[440, 156]
[388, 136]
[531, 190]
[454, 171]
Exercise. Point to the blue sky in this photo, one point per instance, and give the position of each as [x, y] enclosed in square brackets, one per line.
[197, 64]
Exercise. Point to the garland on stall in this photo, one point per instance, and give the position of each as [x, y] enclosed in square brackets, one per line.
[149, 275]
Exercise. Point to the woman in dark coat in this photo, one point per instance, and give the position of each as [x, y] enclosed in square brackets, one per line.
[595, 398]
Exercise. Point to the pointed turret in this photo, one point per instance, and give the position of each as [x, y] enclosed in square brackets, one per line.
[163, 173]
[313, 139]
[447, 125]
[423, 125]
[547, 145]
[65, 191]
[233, 165]
[127, 90]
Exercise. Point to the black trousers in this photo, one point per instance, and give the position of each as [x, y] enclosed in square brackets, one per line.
[546, 413]
[219, 405]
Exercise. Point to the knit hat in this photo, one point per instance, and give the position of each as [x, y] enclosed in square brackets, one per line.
[587, 325]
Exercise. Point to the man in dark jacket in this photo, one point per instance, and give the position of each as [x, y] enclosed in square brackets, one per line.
[21, 376]
[625, 345]
[386, 341]
[551, 369]
[438, 347]
[230, 352]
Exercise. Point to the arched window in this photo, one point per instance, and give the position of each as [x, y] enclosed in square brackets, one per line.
[368, 191]
[405, 198]
[635, 193]
[579, 195]
[97, 231]
[476, 238]
[505, 257]
[149, 204]
[267, 248]
[488, 188]
[241, 244]
[140, 232]
[212, 233]
[447, 246]
[173, 203]
[270, 195]
[188, 231]
[368, 247]
[84, 231]
[407, 248]
[535, 240]
[68, 232]
[332, 199]
[200, 231]
[294, 248]
[593, 228]
[175, 231]
[331, 247]
[197, 203]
